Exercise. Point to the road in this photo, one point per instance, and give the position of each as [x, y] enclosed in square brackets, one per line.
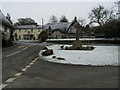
[22, 68]
[16, 57]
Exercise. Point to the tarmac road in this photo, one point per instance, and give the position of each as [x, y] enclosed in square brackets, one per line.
[43, 74]
[16, 57]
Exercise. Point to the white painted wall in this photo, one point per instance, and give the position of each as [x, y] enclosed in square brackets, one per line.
[2, 27]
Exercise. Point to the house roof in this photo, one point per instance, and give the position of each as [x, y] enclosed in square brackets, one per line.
[4, 20]
[28, 27]
[61, 26]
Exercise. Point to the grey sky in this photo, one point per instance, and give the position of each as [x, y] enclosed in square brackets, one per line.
[39, 10]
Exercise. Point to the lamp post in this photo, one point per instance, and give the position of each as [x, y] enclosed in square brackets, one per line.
[42, 23]
[49, 28]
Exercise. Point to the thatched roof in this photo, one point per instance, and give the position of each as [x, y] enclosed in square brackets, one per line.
[4, 20]
[61, 26]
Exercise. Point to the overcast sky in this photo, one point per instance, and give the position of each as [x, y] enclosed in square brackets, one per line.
[39, 10]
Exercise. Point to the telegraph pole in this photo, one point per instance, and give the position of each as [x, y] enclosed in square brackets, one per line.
[42, 23]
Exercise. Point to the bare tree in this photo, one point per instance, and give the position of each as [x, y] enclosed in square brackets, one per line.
[82, 21]
[63, 19]
[118, 12]
[8, 16]
[53, 19]
[101, 15]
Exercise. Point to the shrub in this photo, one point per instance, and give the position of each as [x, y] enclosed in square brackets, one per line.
[91, 48]
[59, 58]
[45, 48]
[62, 47]
[54, 57]
[47, 52]
[66, 48]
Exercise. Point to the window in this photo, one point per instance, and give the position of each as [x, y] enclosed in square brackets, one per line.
[19, 36]
[31, 30]
[38, 30]
[19, 30]
[7, 29]
[25, 30]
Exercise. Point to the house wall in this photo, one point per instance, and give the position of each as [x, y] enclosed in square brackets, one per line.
[57, 34]
[22, 32]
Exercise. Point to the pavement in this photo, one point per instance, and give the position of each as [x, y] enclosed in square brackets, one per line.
[22, 68]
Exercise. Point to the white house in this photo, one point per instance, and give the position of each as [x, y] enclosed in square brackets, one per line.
[6, 28]
[28, 32]
[58, 30]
